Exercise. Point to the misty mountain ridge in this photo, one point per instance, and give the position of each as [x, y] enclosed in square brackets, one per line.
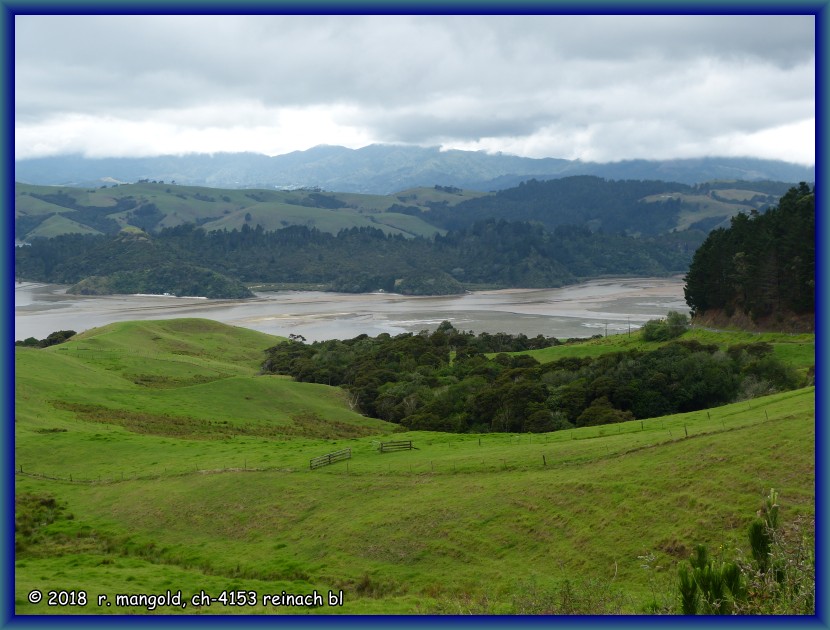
[386, 169]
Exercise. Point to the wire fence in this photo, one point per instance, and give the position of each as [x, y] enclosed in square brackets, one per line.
[490, 453]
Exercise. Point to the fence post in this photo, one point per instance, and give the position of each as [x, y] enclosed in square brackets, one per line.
[686, 430]
[544, 461]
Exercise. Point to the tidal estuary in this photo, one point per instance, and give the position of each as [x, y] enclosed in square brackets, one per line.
[581, 310]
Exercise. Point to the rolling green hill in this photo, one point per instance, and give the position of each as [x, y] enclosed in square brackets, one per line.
[44, 211]
[154, 456]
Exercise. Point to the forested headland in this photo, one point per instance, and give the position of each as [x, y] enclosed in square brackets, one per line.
[356, 260]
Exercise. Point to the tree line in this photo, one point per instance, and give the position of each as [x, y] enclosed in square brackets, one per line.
[492, 252]
[444, 381]
[762, 265]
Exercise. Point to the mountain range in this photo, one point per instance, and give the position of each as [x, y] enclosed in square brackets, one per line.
[385, 169]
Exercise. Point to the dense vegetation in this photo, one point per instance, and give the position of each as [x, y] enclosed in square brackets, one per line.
[53, 339]
[355, 260]
[762, 266]
[166, 278]
[444, 382]
[628, 207]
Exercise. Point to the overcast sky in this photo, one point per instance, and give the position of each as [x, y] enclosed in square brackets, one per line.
[596, 88]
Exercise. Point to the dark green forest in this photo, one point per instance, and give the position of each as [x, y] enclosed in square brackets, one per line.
[495, 253]
[444, 382]
[763, 265]
[617, 207]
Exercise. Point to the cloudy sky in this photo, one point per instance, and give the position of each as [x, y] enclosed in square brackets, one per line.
[596, 88]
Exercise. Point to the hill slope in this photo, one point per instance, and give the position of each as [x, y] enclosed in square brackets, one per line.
[475, 523]
[44, 211]
[630, 206]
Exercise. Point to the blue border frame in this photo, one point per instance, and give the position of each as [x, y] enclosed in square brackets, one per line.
[10, 8]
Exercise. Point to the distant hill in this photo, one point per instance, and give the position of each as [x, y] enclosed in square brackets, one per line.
[385, 169]
[631, 207]
[44, 211]
[635, 207]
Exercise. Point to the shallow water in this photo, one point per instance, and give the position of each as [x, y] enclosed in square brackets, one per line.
[581, 310]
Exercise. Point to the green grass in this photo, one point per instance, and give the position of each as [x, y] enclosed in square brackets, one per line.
[461, 520]
[704, 206]
[795, 350]
[60, 224]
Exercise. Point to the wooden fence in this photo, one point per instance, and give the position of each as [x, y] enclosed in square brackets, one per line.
[402, 445]
[330, 458]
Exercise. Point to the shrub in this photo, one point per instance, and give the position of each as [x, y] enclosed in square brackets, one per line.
[674, 325]
[710, 587]
[779, 580]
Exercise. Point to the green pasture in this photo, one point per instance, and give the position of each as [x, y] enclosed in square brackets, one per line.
[156, 457]
[705, 206]
[795, 350]
[217, 209]
[60, 224]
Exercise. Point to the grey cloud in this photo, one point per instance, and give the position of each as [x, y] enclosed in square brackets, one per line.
[298, 59]
[426, 128]
[503, 76]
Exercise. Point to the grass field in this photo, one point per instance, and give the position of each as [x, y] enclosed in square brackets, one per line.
[699, 207]
[155, 457]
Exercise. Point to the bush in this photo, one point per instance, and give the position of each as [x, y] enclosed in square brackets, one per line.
[780, 579]
[59, 336]
[674, 325]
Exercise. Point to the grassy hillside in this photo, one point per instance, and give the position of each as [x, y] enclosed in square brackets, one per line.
[796, 350]
[703, 208]
[49, 211]
[153, 456]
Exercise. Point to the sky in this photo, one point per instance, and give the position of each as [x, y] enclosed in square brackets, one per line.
[594, 88]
